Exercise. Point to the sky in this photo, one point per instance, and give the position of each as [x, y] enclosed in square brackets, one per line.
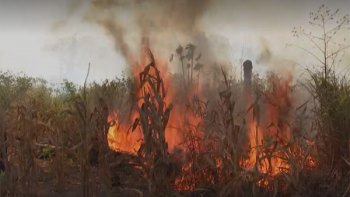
[52, 39]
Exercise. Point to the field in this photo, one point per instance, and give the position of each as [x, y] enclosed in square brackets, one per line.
[154, 132]
[138, 137]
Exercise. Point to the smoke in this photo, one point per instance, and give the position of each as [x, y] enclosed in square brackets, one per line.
[265, 53]
[73, 8]
[275, 62]
[117, 32]
[163, 24]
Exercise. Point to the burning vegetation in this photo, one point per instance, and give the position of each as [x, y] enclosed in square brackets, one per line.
[200, 145]
[171, 128]
[157, 134]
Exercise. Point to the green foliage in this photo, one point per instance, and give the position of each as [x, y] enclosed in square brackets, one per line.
[47, 152]
[13, 87]
[331, 92]
[333, 116]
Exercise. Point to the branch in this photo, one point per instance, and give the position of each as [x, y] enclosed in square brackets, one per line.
[310, 37]
[337, 27]
[87, 75]
[43, 145]
[309, 52]
[338, 51]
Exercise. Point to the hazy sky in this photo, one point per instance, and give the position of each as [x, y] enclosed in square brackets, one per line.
[50, 39]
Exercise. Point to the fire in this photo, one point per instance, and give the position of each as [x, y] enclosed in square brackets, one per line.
[270, 135]
[120, 137]
[268, 130]
[273, 165]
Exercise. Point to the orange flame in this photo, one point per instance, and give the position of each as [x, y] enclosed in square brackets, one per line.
[271, 131]
[265, 134]
[122, 139]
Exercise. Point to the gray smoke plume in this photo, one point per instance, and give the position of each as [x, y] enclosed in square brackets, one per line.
[162, 23]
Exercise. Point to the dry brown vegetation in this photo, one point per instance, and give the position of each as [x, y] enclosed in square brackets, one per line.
[235, 141]
[54, 142]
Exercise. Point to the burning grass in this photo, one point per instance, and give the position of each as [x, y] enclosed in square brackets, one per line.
[264, 147]
[158, 134]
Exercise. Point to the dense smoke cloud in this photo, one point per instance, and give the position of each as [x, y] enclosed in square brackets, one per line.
[164, 24]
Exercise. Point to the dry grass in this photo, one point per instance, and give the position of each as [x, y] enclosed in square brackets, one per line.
[54, 141]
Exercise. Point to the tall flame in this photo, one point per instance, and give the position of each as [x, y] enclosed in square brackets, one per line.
[267, 130]
[120, 136]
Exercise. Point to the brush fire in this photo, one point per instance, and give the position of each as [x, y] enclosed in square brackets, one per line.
[265, 135]
[206, 100]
